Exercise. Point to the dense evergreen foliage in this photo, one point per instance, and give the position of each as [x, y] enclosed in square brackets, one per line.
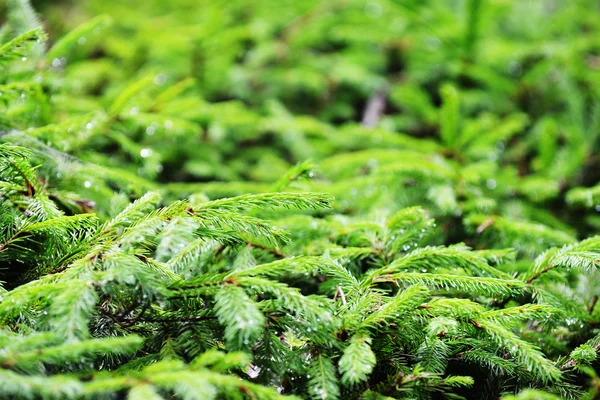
[300, 199]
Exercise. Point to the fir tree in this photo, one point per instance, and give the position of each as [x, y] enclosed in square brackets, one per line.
[165, 234]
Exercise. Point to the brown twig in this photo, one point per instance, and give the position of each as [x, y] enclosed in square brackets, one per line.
[375, 108]
[276, 251]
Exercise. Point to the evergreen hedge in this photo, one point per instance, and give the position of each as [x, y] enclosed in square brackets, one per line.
[299, 199]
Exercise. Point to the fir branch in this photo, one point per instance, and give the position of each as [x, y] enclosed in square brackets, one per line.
[528, 355]
[269, 200]
[358, 360]
[469, 284]
[16, 47]
[322, 383]
[77, 37]
[240, 315]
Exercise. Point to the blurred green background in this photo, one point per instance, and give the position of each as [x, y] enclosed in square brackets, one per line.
[488, 107]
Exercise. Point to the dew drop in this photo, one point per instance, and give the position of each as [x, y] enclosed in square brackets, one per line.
[433, 43]
[373, 9]
[160, 79]
[514, 68]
